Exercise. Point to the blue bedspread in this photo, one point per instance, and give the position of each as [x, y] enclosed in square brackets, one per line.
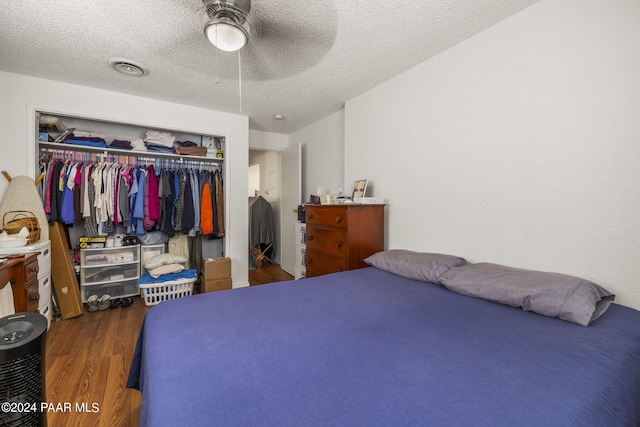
[368, 348]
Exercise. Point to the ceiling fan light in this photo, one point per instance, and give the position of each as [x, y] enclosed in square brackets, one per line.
[225, 34]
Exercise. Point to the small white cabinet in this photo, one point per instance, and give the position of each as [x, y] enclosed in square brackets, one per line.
[112, 271]
[149, 251]
[301, 249]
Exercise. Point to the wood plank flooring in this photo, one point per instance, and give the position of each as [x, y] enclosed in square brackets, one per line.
[88, 361]
[88, 358]
[268, 273]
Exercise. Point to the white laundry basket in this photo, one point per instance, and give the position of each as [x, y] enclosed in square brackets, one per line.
[154, 293]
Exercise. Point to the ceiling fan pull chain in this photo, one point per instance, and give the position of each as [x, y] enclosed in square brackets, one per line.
[240, 80]
[216, 80]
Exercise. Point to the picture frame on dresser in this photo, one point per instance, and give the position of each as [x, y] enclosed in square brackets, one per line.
[359, 188]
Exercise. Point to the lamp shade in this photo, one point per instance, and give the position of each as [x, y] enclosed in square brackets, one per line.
[226, 34]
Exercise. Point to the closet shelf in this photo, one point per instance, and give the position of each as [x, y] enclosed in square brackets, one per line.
[117, 152]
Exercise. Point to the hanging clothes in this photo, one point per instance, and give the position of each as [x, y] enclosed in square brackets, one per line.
[219, 203]
[206, 210]
[195, 188]
[167, 203]
[138, 209]
[90, 223]
[177, 225]
[188, 212]
[260, 227]
[101, 195]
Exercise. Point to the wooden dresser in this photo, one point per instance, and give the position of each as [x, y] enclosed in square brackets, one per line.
[340, 237]
[22, 273]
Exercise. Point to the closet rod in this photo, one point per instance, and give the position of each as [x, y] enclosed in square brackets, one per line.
[131, 160]
[116, 152]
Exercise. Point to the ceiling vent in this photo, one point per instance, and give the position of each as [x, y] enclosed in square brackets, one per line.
[127, 67]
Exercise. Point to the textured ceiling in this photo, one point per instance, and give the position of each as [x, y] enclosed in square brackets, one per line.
[304, 59]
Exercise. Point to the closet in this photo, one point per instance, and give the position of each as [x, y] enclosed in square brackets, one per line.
[183, 194]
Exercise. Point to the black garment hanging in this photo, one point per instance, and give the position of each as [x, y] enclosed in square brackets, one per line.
[261, 235]
[188, 213]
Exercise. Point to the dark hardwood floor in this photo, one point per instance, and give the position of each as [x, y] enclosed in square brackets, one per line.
[88, 361]
[88, 358]
[268, 273]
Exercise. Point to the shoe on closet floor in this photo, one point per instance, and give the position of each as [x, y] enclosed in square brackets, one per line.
[104, 302]
[124, 302]
[92, 303]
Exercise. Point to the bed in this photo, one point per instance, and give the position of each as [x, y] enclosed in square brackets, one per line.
[372, 348]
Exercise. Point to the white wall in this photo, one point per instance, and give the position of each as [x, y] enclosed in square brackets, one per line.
[519, 146]
[259, 140]
[21, 95]
[322, 154]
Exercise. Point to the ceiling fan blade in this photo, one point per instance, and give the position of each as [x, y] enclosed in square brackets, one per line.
[292, 34]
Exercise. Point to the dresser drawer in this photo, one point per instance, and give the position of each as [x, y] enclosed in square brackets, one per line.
[319, 263]
[31, 270]
[331, 216]
[33, 295]
[328, 241]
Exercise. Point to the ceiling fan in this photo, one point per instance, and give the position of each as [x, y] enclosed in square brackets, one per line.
[228, 28]
[277, 38]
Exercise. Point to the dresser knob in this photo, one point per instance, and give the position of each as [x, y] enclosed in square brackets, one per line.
[338, 219]
[309, 260]
[309, 237]
[338, 245]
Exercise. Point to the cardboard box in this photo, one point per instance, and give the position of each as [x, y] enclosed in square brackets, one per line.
[63, 274]
[215, 285]
[217, 268]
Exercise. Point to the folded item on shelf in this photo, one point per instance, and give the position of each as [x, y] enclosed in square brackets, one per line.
[186, 143]
[159, 148]
[184, 274]
[99, 144]
[162, 138]
[74, 135]
[121, 144]
[49, 122]
[80, 134]
[138, 144]
[192, 151]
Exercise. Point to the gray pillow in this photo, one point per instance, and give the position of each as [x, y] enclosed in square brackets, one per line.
[551, 294]
[414, 265]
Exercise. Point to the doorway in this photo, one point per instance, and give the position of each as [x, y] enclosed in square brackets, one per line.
[280, 182]
[264, 181]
